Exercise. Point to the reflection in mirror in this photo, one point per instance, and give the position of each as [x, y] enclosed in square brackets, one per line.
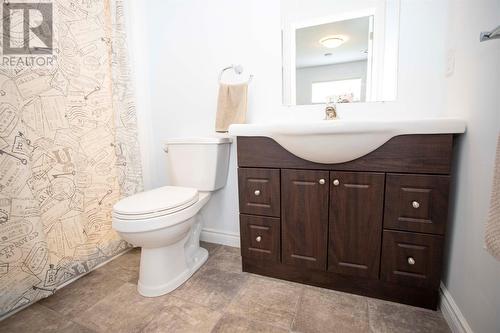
[331, 61]
[339, 51]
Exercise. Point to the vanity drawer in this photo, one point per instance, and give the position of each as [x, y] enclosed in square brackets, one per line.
[416, 203]
[411, 259]
[259, 191]
[260, 238]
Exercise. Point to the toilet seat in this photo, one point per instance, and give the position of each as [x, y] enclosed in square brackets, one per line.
[124, 223]
[159, 202]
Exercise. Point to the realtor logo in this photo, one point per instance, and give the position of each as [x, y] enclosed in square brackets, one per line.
[27, 28]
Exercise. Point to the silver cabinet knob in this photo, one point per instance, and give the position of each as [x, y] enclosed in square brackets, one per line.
[322, 181]
[411, 261]
[415, 204]
[336, 182]
[258, 239]
[257, 193]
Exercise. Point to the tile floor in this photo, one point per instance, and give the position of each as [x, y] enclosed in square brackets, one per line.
[218, 298]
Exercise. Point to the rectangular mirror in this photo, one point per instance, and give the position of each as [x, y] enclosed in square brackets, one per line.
[341, 51]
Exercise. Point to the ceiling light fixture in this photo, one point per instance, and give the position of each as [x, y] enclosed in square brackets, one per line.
[332, 42]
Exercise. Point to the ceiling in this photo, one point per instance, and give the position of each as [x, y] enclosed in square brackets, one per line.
[311, 53]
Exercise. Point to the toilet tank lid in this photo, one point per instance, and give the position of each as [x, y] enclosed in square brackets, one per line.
[199, 141]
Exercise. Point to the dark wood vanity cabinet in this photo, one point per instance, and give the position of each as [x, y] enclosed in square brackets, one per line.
[373, 226]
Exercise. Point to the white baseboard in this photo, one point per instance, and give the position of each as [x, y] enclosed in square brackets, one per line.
[220, 237]
[451, 312]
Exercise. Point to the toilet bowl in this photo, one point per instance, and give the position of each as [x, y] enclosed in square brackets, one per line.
[165, 222]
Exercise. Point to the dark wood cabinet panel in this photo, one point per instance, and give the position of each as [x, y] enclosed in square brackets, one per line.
[423, 297]
[417, 203]
[355, 224]
[304, 218]
[260, 238]
[259, 191]
[405, 154]
[412, 259]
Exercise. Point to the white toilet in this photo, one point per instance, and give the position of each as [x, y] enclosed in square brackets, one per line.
[164, 222]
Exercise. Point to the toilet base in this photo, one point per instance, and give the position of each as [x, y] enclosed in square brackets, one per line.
[164, 269]
[169, 255]
[149, 290]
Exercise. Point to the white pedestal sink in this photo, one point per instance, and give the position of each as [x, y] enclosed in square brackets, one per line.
[338, 141]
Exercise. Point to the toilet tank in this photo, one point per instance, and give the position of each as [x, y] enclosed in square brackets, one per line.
[201, 163]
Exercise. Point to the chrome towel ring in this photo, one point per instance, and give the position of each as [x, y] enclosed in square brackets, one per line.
[238, 69]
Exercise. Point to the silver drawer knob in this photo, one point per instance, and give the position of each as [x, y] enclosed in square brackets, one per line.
[415, 204]
[258, 239]
[411, 261]
[322, 181]
[336, 182]
[257, 193]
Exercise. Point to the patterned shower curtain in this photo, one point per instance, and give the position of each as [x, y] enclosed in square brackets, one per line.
[68, 152]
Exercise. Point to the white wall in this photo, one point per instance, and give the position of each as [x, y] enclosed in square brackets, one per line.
[187, 42]
[306, 76]
[473, 276]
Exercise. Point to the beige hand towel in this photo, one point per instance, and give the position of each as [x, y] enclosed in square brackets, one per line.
[231, 105]
[492, 236]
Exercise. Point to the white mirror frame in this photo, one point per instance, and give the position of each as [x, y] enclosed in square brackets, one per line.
[383, 68]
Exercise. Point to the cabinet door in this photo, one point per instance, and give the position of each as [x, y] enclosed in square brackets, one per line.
[260, 238]
[416, 203]
[412, 259]
[355, 226]
[304, 212]
[259, 191]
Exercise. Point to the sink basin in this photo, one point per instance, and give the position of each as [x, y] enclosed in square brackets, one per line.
[339, 141]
